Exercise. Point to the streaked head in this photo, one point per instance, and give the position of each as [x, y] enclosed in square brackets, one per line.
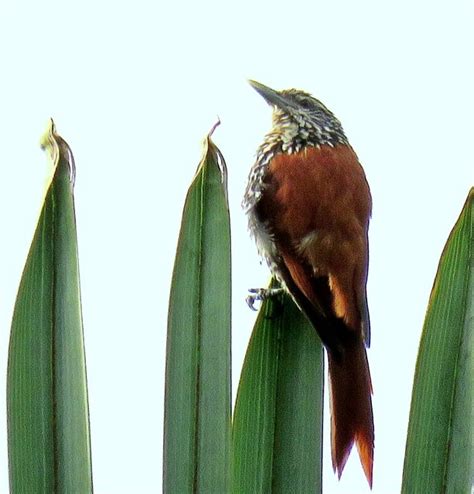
[298, 115]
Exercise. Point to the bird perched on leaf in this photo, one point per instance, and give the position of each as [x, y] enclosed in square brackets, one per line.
[309, 204]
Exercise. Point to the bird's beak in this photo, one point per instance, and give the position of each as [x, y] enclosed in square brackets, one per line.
[271, 96]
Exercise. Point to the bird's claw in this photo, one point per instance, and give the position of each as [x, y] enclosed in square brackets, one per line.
[260, 295]
[256, 294]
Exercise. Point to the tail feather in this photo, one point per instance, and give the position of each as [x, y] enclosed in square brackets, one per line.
[351, 407]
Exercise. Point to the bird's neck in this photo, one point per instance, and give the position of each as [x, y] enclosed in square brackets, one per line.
[292, 134]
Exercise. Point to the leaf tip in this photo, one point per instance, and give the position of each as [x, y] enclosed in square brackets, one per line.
[48, 141]
[214, 127]
[57, 148]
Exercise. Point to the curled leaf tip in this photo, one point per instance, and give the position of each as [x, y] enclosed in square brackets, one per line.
[45, 140]
[57, 148]
[49, 143]
[214, 127]
[211, 153]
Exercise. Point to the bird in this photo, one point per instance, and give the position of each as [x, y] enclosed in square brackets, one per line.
[308, 205]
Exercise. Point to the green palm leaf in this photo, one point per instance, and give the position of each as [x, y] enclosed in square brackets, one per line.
[197, 426]
[277, 429]
[47, 408]
[439, 450]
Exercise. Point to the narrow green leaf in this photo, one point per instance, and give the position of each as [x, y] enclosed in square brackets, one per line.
[277, 429]
[47, 408]
[439, 451]
[197, 426]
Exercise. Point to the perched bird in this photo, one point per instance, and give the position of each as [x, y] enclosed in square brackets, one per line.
[308, 205]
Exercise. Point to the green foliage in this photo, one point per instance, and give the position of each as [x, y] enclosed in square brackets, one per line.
[277, 429]
[439, 451]
[47, 409]
[197, 427]
[275, 443]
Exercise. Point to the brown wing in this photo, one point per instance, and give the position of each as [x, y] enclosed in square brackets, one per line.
[317, 205]
[314, 298]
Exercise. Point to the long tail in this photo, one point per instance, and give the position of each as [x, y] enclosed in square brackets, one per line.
[351, 407]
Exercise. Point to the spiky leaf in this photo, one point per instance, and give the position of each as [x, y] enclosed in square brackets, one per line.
[277, 429]
[197, 389]
[439, 451]
[47, 408]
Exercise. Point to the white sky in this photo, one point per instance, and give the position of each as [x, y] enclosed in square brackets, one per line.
[134, 87]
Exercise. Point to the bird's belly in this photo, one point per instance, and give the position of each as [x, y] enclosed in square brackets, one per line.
[264, 239]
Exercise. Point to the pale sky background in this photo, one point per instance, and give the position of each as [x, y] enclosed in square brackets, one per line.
[135, 86]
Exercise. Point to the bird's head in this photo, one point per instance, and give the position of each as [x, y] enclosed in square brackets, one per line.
[299, 119]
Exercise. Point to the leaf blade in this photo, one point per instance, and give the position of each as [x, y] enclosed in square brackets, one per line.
[277, 428]
[439, 455]
[47, 405]
[197, 388]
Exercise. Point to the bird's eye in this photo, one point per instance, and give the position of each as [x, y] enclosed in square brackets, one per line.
[306, 103]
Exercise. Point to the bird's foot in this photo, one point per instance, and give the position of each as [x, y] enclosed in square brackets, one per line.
[261, 294]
